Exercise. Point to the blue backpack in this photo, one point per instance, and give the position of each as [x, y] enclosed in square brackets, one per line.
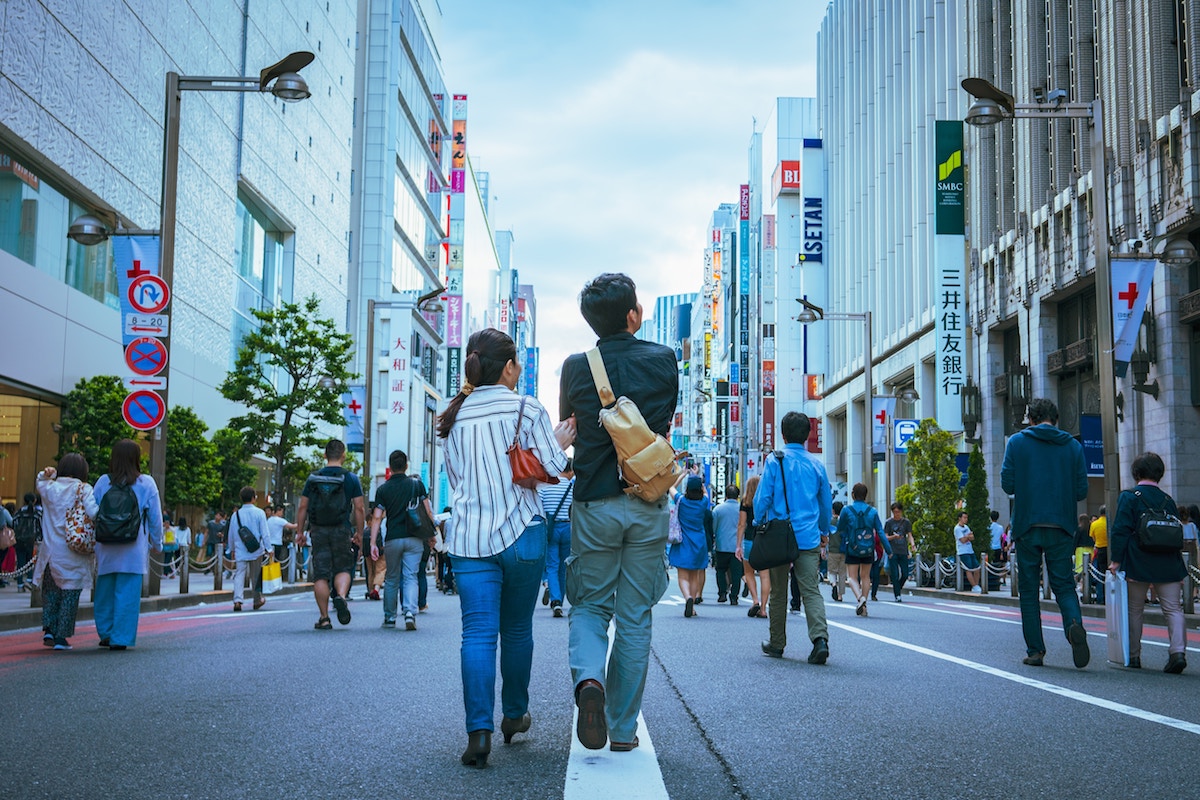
[860, 543]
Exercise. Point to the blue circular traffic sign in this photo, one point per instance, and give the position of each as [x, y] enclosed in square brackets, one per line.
[146, 356]
[144, 410]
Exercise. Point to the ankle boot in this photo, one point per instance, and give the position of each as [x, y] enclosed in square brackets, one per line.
[511, 727]
[479, 745]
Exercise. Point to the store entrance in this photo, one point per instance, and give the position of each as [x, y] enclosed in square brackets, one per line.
[28, 441]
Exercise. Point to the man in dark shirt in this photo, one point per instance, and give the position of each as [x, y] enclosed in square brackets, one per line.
[617, 540]
[898, 530]
[404, 544]
[332, 556]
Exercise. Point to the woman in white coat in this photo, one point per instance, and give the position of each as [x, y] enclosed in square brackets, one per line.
[61, 572]
[249, 561]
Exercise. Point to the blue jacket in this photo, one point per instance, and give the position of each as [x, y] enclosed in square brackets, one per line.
[809, 499]
[1044, 471]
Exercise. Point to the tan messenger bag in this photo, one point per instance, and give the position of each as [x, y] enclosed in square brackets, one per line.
[645, 460]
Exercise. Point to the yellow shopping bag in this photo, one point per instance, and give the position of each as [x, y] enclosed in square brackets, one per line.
[272, 578]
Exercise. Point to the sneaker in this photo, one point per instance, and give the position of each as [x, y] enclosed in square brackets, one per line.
[976, 590]
[343, 610]
[62, 644]
[410, 622]
[546, 596]
[389, 623]
[721, 598]
[1077, 636]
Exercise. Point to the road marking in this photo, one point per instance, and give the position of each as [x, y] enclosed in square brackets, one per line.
[601, 774]
[1045, 626]
[1070, 694]
[238, 614]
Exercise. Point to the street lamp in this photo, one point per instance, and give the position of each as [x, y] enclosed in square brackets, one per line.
[993, 105]
[283, 80]
[811, 313]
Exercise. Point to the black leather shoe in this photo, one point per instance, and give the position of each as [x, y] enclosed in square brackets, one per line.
[479, 745]
[592, 725]
[1077, 636]
[1176, 664]
[771, 651]
[1135, 662]
[511, 727]
[820, 651]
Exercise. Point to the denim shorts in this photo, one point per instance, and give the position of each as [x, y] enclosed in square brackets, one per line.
[969, 560]
[331, 552]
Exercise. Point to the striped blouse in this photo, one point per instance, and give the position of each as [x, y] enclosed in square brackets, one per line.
[489, 511]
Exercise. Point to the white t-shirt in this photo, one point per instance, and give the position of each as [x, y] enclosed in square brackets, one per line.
[997, 535]
[1189, 531]
[275, 526]
[964, 548]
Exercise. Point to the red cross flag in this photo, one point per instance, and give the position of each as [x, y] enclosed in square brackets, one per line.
[1131, 282]
[354, 412]
[882, 411]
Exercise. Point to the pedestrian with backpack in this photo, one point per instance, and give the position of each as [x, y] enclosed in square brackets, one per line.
[27, 529]
[331, 516]
[64, 567]
[128, 527]
[400, 499]
[860, 528]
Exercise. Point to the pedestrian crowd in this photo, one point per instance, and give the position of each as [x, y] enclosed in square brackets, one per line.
[596, 533]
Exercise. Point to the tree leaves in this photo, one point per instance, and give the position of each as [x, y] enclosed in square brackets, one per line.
[290, 374]
[192, 478]
[930, 499]
[92, 422]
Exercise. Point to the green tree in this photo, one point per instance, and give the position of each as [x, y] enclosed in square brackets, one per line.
[929, 499]
[975, 500]
[290, 374]
[233, 468]
[192, 477]
[92, 421]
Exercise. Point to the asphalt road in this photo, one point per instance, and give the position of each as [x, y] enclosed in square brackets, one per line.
[922, 699]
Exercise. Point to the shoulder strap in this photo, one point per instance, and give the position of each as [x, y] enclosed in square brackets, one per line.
[520, 419]
[600, 376]
[563, 499]
[783, 478]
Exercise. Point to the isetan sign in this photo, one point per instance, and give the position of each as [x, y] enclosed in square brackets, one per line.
[786, 179]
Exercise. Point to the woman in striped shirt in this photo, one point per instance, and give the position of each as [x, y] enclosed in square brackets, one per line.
[496, 534]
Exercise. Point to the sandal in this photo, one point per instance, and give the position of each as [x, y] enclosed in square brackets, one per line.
[754, 609]
[323, 624]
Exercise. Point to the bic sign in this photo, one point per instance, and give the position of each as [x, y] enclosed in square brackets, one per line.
[905, 429]
[786, 179]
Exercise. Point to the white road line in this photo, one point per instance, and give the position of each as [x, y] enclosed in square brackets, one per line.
[601, 774]
[238, 614]
[1070, 694]
[1099, 634]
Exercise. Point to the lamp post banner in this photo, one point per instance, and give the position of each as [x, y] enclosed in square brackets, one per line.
[1131, 280]
[135, 257]
[883, 410]
[950, 301]
[354, 412]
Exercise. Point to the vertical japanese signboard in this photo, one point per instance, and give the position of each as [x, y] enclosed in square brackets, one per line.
[399, 377]
[951, 298]
[454, 257]
[744, 284]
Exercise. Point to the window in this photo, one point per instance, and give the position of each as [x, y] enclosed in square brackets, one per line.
[34, 217]
[264, 268]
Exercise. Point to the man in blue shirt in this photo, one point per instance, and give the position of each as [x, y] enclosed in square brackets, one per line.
[809, 506]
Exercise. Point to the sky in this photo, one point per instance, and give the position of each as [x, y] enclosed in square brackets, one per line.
[612, 129]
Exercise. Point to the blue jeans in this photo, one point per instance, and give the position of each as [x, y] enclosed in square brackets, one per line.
[118, 603]
[1056, 546]
[559, 547]
[617, 570]
[899, 570]
[497, 595]
[402, 556]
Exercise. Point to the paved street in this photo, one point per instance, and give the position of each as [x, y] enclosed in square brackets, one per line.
[922, 699]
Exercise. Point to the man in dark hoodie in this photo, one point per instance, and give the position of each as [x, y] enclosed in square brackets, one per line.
[1044, 471]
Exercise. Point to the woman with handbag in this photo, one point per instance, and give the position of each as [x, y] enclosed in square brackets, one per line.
[1148, 564]
[690, 556]
[64, 563]
[120, 565]
[496, 536]
[247, 546]
[760, 592]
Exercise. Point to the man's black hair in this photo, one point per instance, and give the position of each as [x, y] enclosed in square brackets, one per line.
[795, 427]
[1042, 410]
[606, 301]
[398, 461]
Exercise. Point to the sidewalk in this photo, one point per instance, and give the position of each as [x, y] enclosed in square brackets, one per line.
[17, 611]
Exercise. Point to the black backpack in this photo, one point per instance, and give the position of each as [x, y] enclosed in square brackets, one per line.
[861, 542]
[27, 526]
[328, 505]
[118, 520]
[1158, 530]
